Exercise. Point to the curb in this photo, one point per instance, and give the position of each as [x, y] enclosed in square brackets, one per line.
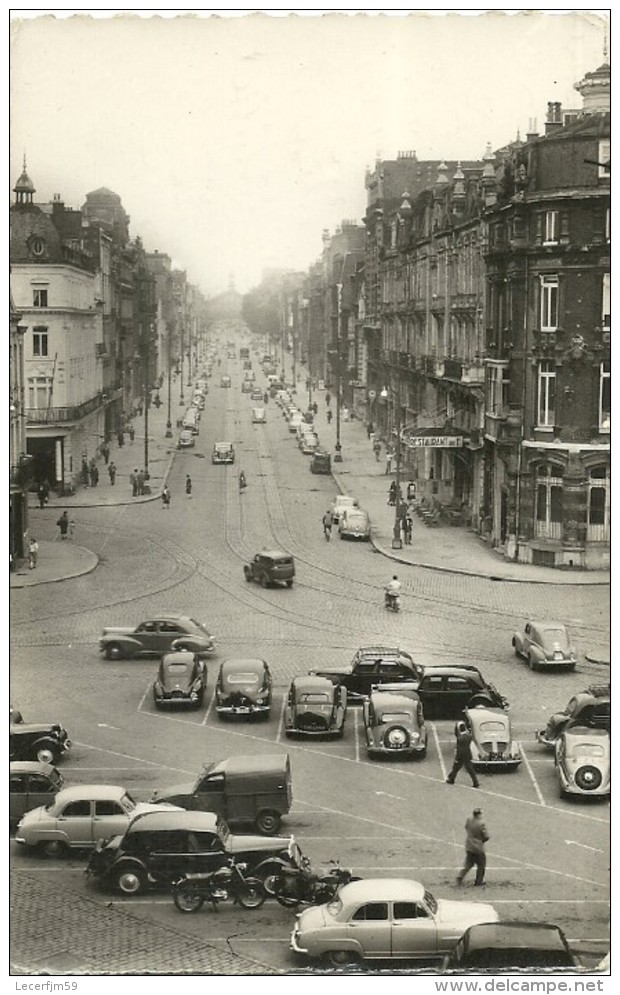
[601, 658]
[71, 576]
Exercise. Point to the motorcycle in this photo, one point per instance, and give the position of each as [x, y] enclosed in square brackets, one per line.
[392, 601]
[190, 892]
[293, 886]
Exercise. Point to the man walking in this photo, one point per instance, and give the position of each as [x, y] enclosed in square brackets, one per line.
[112, 472]
[133, 480]
[63, 525]
[165, 498]
[462, 755]
[188, 485]
[475, 841]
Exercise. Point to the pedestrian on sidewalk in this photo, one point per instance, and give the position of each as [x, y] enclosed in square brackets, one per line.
[329, 416]
[42, 494]
[120, 438]
[411, 490]
[133, 480]
[328, 398]
[475, 854]
[370, 430]
[377, 449]
[188, 485]
[63, 525]
[112, 472]
[84, 473]
[388, 462]
[105, 452]
[392, 494]
[462, 755]
[132, 433]
[33, 553]
[165, 498]
[315, 408]
[93, 473]
[140, 482]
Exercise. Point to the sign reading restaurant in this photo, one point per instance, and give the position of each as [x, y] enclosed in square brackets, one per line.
[434, 441]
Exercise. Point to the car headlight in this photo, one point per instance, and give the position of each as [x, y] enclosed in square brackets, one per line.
[415, 735]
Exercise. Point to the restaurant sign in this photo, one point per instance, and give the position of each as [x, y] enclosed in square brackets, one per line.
[434, 441]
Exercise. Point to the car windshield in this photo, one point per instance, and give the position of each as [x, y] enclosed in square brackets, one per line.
[396, 717]
[431, 902]
[334, 907]
[177, 668]
[198, 625]
[314, 698]
[243, 678]
[492, 727]
[588, 750]
[128, 802]
[223, 831]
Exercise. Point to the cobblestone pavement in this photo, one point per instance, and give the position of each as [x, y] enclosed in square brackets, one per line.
[87, 937]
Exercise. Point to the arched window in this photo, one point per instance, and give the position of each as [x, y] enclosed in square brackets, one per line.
[599, 504]
[548, 501]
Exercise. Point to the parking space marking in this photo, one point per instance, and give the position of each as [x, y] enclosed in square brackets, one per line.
[528, 767]
[209, 707]
[143, 698]
[281, 720]
[356, 736]
[438, 748]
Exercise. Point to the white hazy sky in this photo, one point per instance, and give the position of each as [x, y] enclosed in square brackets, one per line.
[233, 141]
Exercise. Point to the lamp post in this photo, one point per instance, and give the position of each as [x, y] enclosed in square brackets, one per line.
[182, 398]
[169, 422]
[397, 542]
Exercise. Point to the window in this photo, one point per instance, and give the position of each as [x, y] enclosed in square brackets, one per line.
[549, 501]
[599, 504]
[552, 219]
[75, 810]
[549, 295]
[372, 912]
[606, 317]
[17, 784]
[40, 342]
[39, 298]
[42, 785]
[38, 246]
[546, 395]
[604, 158]
[108, 808]
[604, 404]
[215, 783]
[39, 392]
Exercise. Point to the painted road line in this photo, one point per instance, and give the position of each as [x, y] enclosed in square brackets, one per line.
[528, 767]
[209, 707]
[356, 734]
[281, 720]
[143, 698]
[438, 748]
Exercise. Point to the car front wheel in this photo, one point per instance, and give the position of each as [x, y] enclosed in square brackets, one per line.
[264, 580]
[131, 880]
[113, 652]
[52, 848]
[341, 958]
[46, 753]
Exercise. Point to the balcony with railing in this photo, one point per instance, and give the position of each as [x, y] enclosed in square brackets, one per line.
[71, 413]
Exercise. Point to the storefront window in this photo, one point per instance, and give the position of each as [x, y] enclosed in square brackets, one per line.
[549, 493]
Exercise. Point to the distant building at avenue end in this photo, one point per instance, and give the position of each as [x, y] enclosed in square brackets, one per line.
[473, 331]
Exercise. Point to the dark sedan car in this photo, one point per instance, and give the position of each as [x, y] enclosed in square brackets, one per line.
[315, 707]
[156, 636]
[243, 688]
[42, 741]
[31, 784]
[394, 724]
[511, 947]
[160, 847]
[181, 680]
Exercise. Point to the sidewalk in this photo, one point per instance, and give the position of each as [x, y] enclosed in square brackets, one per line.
[452, 549]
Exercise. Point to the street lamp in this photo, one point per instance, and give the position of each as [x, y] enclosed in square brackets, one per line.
[397, 542]
[169, 422]
[182, 398]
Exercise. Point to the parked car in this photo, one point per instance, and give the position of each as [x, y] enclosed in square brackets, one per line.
[372, 666]
[225, 382]
[545, 646]
[354, 523]
[295, 421]
[156, 636]
[78, 817]
[223, 452]
[591, 708]
[198, 401]
[258, 416]
[271, 566]
[162, 846]
[243, 688]
[315, 707]
[492, 743]
[255, 790]
[186, 439]
[321, 462]
[31, 784]
[340, 502]
[394, 725]
[583, 761]
[309, 443]
[511, 947]
[42, 741]
[446, 689]
[181, 680]
[246, 387]
[385, 919]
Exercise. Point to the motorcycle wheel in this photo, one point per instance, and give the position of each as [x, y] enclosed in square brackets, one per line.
[253, 895]
[188, 898]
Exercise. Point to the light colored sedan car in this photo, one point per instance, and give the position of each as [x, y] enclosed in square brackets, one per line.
[492, 744]
[354, 523]
[385, 919]
[582, 760]
[545, 645]
[78, 817]
[340, 502]
[186, 439]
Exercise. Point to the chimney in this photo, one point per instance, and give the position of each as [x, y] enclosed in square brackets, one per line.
[554, 117]
[531, 132]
